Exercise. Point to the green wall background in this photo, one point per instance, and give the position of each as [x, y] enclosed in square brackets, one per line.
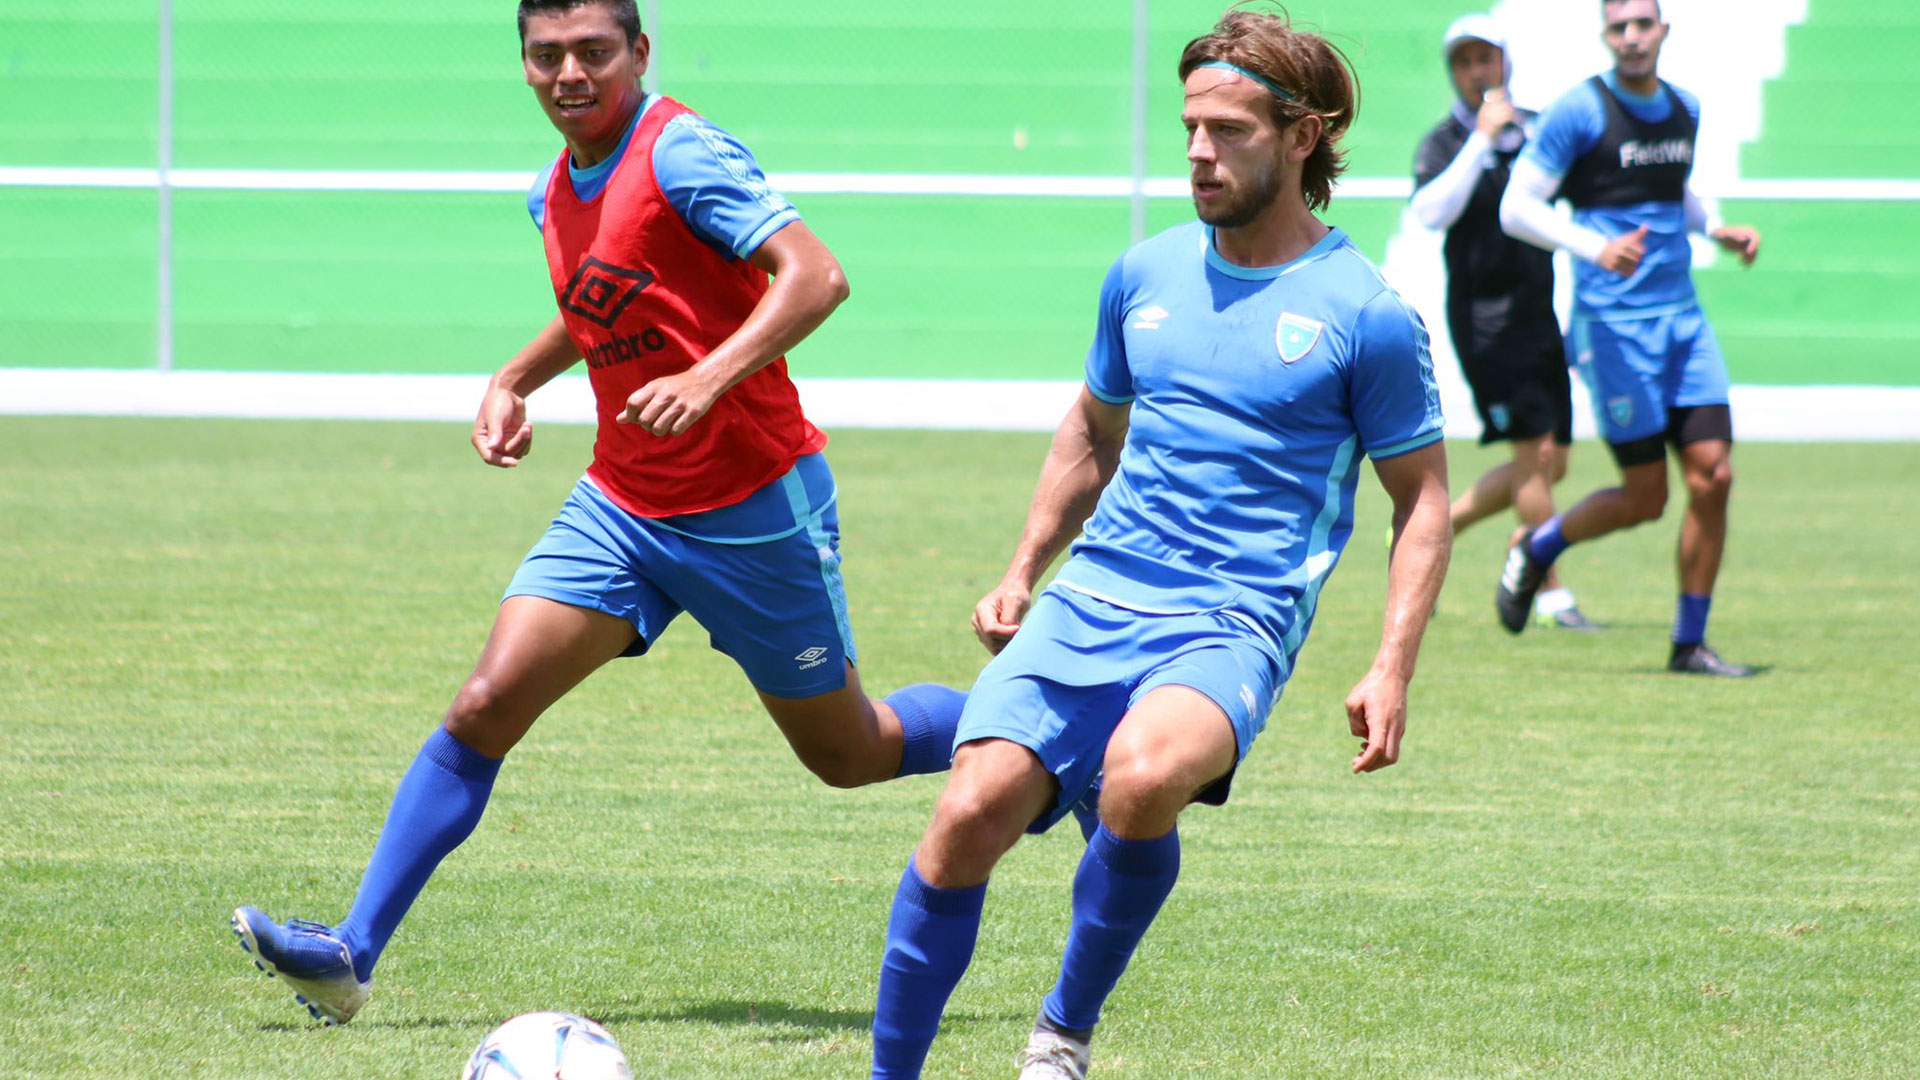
[943, 287]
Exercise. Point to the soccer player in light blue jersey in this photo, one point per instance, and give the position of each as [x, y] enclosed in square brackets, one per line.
[1619, 147]
[1242, 368]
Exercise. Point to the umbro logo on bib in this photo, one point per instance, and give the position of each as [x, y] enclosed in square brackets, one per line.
[1296, 335]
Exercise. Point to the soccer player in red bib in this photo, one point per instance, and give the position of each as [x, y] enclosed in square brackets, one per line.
[708, 492]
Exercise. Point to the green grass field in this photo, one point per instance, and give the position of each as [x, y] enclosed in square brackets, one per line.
[220, 644]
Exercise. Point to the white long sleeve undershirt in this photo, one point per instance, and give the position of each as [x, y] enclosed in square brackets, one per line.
[1440, 202]
[1526, 214]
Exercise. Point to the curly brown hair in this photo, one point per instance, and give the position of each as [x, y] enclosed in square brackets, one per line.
[1316, 75]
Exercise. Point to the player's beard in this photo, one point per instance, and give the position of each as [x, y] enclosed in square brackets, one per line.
[1243, 205]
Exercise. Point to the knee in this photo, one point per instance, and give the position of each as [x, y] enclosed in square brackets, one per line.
[479, 707]
[482, 717]
[971, 830]
[1137, 789]
[840, 768]
[1712, 484]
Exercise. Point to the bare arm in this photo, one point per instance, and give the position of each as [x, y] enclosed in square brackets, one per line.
[502, 433]
[1422, 543]
[1084, 455]
[807, 285]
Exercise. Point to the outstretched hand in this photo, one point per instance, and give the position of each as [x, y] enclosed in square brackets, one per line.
[996, 618]
[1377, 716]
[501, 433]
[1742, 240]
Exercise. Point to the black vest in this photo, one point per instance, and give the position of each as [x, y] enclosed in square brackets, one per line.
[1634, 162]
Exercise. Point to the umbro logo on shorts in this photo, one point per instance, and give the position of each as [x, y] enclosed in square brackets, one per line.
[813, 657]
[600, 291]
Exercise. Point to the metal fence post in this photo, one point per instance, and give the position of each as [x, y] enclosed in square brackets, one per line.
[163, 189]
[1141, 10]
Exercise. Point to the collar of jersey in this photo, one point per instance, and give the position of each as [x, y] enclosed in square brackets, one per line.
[589, 182]
[1334, 238]
[1643, 100]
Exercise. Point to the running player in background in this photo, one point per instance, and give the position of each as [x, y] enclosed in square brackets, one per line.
[707, 493]
[1242, 366]
[1619, 147]
[1499, 296]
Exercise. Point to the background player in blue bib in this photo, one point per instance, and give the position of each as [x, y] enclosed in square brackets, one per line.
[1619, 147]
[1242, 367]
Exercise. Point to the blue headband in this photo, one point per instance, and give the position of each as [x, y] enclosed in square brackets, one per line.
[1262, 80]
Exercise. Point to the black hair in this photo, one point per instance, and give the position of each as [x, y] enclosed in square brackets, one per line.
[624, 13]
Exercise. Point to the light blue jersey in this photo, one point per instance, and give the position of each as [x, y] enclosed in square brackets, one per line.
[720, 192]
[1255, 393]
[705, 173]
[1663, 284]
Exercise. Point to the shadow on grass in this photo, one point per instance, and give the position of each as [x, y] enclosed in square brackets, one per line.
[417, 1023]
[786, 1023]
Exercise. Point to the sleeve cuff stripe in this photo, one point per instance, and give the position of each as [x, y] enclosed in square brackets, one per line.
[1108, 398]
[1408, 446]
[767, 228]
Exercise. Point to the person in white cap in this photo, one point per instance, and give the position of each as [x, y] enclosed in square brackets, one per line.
[1499, 295]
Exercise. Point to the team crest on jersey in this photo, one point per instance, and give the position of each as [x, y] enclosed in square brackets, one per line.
[1621, 410]
[1296, 335]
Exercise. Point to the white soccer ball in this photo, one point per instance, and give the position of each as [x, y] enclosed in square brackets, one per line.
[547, 1046]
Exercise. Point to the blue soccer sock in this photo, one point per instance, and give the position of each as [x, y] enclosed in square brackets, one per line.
[1548, 542]
[438, 804]
[1116, 894]
[929, 715]
[930, 938]
[1690, 619]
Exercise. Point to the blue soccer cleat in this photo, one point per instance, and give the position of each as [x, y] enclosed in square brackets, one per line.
[310, 958]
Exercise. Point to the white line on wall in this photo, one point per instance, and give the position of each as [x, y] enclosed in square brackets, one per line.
[1763, 413]
[925, 184]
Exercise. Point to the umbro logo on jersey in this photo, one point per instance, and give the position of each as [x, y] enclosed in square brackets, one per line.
[1149, 318]
[1296, 335]
[813, 657]
[600, 291]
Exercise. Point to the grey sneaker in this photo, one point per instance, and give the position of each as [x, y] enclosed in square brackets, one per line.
[1568, 619]
[1698, 659]
[1052, 1056]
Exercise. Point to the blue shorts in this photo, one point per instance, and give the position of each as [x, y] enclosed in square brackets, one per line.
[1064, 682]
[1638, 369]
[777, 607]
